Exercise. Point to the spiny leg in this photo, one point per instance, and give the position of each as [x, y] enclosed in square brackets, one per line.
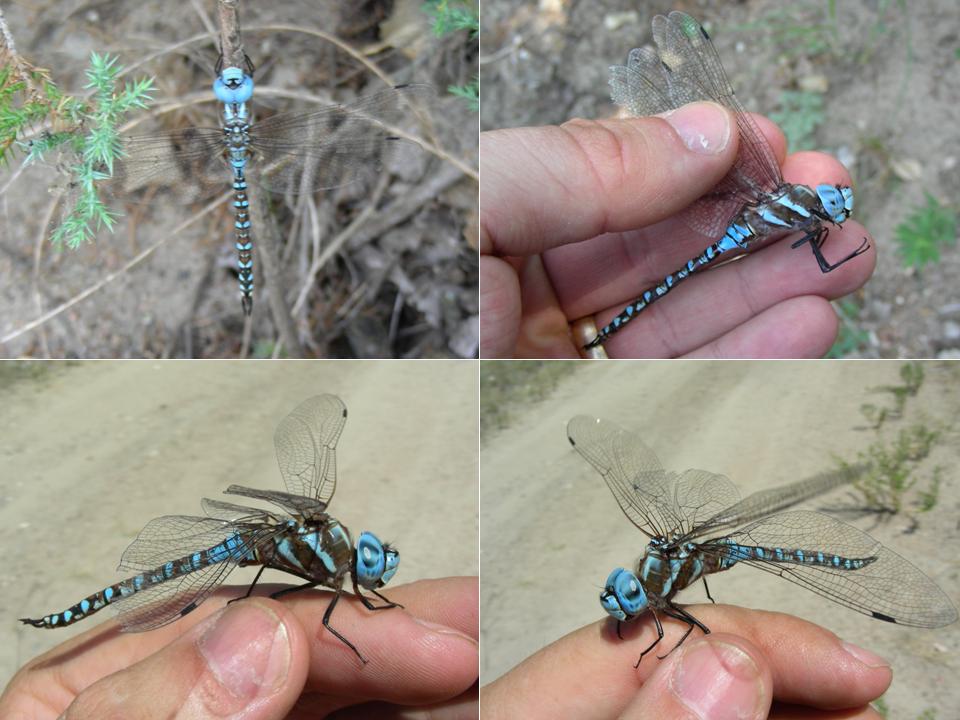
[326, 623]
[707, 587]
[678, 613]
[654, 643]
[817, 238]
[252, 585]
[369, 605]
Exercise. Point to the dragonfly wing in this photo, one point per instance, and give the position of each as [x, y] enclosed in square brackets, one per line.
[887, 587]
[306, 442]
[167, 539]
[187, 165]
[302, 505]
[685, 68]
[775, 500]
[175, 536]
[233, 513]
[334, 146]
[642, 488]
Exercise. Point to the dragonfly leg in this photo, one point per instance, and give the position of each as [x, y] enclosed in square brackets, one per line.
[707, 588]
[679, 613]
[326, 624]
[817, 238]
[295, 588]
[369, 605]
[654, 643]
[252, 585]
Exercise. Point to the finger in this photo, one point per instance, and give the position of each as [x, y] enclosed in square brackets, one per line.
[423, 653]
[615, 268]
[465, 705]
[499, 308]
[802, 327]
[252, 658]
[595, 671]
[717, 677]
[547, 186]
[719, 301]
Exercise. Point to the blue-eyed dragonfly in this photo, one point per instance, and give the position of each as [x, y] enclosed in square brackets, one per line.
[697, 525]
[752, 203]
[182, 559]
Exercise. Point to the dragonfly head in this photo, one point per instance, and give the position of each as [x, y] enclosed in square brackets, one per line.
[233, 86]
[375, 562]
[837, 201]
[623, 596]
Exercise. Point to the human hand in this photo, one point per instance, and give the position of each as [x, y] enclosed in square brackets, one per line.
[560, 211]
[755, 664]
[263, 658]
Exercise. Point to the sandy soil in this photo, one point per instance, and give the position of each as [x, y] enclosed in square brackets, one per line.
[551, 531]
[891, 113]
[93, 451]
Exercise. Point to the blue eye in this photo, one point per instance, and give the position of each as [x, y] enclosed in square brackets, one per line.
[371, 561]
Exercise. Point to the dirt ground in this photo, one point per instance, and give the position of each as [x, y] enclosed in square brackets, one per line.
[94, 451]
[401, 283]
[552, 531]
[891, 114]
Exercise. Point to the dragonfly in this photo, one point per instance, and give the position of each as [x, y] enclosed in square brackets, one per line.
[752, 203]
[181, 559]
[290, 153]
[697, 524]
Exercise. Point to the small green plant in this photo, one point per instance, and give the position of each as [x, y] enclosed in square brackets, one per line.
[925, 232]
[850, 338]
[93, 143]
[451, 16]
[800, 115]
[795, 32]
[912, 375]
[893, 474]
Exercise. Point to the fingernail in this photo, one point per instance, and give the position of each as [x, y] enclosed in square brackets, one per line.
[704, 127]
[717, 680]
[247, 651]
[865, 656]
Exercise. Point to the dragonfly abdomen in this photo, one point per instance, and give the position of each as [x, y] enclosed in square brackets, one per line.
[737, 552]
[232, 548]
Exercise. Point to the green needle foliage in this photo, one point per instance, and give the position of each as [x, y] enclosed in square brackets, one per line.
[451, 16]
[800, 117]
[922, 235]
[93, 144]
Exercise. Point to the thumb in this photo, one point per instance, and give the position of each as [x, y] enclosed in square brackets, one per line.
[549, 186]
[718, 677]
[250, 658]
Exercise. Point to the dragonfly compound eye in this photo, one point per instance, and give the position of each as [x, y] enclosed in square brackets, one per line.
[836, 200]
[623, 596]
[372, 561]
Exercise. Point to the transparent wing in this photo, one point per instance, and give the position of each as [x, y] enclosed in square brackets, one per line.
[333, 146]
[176, 536]
[168, 539]
[657, 502]
[306, 443]
[685, 68]
[888, 587]
[237, 513]
[185, 165]
[768, 502]
[306, 507]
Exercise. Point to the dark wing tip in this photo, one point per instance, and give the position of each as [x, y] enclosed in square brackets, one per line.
[571, 441]
[881, 616]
